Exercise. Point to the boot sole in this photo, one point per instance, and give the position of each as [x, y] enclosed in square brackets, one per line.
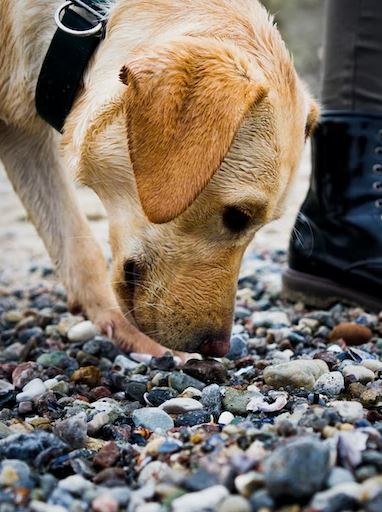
[323, 293]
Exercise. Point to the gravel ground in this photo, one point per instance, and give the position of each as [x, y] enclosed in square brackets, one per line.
[290, 420]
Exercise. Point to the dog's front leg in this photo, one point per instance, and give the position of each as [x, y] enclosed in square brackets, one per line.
[35, 170]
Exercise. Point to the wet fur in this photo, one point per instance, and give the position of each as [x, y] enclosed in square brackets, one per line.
[187, 108]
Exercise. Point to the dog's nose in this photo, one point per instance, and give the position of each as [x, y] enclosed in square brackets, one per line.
[215, 347]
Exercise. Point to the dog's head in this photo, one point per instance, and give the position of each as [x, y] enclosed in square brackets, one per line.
[192, 158]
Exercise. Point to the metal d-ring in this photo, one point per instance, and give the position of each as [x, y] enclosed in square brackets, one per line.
[79, 33]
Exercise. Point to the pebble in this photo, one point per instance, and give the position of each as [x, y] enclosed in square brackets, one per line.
[117, 431]
[372, 364]
[208, 370]
[331, 384]
[226, 418]
[189, 419]
[34, 389]
[349, 411]
[212, 400]
[73, 430]
[236, 401]
[81, 332]
[298, 469]
[24, 373]
[181, 381]
[90, 375]
[359, 373]
[238, 348]
[299, 373]
[105, 503]
[210, 498]
[180, 405]
[234, 504]
[158, 396]
[352, 333]
[153, 418]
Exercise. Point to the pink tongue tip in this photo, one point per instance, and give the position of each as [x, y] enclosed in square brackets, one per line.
[215, 348]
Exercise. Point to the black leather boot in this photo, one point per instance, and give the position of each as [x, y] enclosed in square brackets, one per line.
[335, 251]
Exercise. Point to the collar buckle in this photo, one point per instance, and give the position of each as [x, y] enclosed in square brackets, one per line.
[97, 28]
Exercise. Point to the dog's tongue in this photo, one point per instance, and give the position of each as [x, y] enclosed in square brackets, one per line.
[215, 348]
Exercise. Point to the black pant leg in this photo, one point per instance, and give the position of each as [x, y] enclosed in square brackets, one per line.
[352, 74]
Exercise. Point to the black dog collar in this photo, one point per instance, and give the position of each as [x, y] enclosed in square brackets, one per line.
[81, 25]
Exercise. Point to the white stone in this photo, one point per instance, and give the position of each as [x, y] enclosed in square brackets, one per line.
[123, 364]
[330, 383]
[83, 331]
[372, 364]
[208, 498]
[360, 373]
[75, 484]
[226, 418]
[40, 506]
[180, 405]
[269, 318]
[349, 410]
[33, 389]
[97, 422]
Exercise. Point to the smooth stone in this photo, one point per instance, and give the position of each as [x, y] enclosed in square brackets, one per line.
[180, 405]
[73, 430]
[352, 333]
[238, 348]
[209, 498]
[136, 391]
[261, 501]
[153, 418]
[298, 469]
[236, 400]
[66, 322]
[189, 419]
[13, 316]
[330, 383]
[270, 319]
[338, 476]
[207, 370]
[14, 473]
[83, 331]
[301, 373]
[52, 359]
[5, 387]
[40, 506]
[105, 503]
[199, 480]
[159, 395]
[75, 484]
[35, 388]
[349, 410]
[338, 495]
[181, 381]
[212, 400]
[234, 504]
[123, 364]
[360, 373]
[372, 364]
[248, 483]
[226, 418]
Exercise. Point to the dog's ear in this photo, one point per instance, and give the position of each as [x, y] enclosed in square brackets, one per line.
[313, 117]
[185, 106]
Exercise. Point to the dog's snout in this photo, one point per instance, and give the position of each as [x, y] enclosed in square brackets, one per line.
[215, 347]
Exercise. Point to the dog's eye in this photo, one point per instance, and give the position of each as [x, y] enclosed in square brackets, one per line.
[235, 220]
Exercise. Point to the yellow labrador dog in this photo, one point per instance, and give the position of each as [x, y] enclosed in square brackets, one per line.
[189, 127]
